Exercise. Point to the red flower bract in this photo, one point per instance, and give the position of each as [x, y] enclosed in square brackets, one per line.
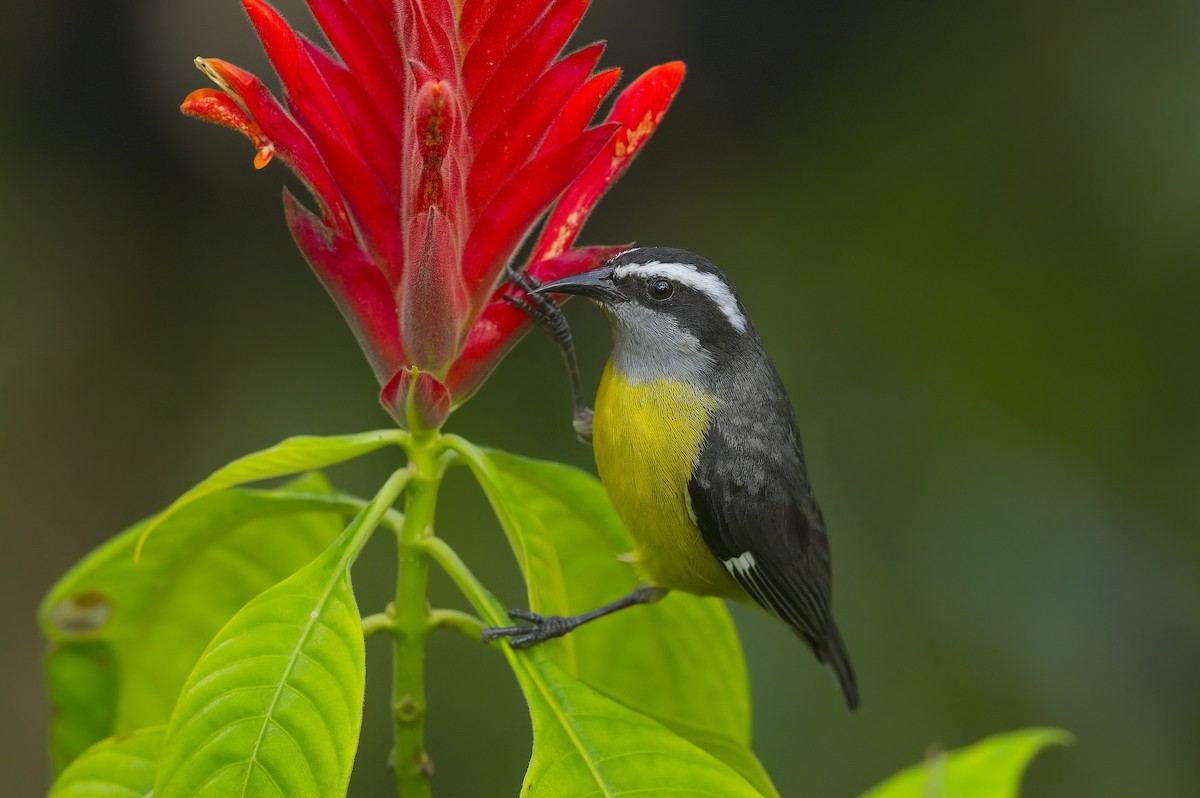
[432, 144]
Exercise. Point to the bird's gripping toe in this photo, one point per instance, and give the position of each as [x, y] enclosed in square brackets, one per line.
[537, 628]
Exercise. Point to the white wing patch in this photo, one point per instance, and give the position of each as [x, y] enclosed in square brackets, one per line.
[686, 274]
[745, 571]
[740, 565]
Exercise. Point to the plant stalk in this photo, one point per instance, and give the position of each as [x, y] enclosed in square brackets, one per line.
[378, 623]
[491, 612]
[412, 622]
[461, 622]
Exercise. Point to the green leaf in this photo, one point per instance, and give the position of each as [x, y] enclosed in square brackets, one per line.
[588, 744]
[119, 767]
[991, 768]
[290, 456]
[274, 706]
[81, 679]
[677, 661]
[126, 635]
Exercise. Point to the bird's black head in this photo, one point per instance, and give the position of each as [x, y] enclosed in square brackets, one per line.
[664, 299]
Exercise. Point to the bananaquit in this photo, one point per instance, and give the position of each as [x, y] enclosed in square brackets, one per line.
[697, 446]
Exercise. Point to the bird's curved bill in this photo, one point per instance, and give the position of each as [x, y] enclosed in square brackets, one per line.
[598, 284]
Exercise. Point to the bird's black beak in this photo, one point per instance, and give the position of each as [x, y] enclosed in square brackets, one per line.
[597, 284]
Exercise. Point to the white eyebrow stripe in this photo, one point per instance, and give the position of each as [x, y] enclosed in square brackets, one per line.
[686, 274]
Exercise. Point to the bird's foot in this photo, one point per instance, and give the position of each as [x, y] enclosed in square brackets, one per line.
[522, 279]
[583, 424]
[542, 309]
[537, 628]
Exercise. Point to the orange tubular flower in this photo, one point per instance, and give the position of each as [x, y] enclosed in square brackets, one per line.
[432, 143]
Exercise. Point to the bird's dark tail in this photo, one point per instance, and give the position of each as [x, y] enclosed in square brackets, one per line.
[833, 652]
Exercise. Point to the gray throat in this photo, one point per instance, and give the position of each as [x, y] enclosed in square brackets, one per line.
[650, 346]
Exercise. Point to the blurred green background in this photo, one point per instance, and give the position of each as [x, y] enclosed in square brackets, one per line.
[967, 232]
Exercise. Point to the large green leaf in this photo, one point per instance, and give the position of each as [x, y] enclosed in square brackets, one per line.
[678, 661]
[290, 456]
[274, 706]
[586, 744]
[125, 635]
[81, 678]
[991, 768]
[119, 767]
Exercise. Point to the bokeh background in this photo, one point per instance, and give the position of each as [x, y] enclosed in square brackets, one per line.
[968, 233]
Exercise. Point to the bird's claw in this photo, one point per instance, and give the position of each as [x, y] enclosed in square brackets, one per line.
[519, 303]
[539, 629]
[583, 424]
[522, 279]
[526, 615]
[550, 319]
[541, 309]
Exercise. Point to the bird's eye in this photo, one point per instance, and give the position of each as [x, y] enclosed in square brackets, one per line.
[661, 289]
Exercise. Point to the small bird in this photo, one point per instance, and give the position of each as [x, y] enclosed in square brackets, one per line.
[696, 444]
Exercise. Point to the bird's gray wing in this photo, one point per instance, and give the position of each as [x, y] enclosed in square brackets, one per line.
[753, 505]
[755, 510]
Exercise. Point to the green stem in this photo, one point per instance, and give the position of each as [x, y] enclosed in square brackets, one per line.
[377, 510]
[480, 597]
[378, 622]
[412, 622]
[459, 621]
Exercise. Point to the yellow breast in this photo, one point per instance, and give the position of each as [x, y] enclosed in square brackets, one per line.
[647, 438]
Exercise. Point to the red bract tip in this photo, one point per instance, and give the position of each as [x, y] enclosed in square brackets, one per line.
[219, 108]
[578, 111]
[433, 140]
[519, 202]
[638, 110]
[509, 134]
[291, 142]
